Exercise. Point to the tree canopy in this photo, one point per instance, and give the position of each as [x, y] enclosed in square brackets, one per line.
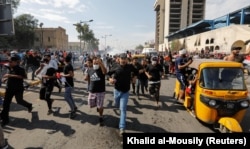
[87, 35]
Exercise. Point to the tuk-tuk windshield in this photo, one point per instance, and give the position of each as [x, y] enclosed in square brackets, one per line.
[223, 78]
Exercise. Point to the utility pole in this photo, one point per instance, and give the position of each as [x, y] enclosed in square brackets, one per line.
[105, 36]
[41, 42]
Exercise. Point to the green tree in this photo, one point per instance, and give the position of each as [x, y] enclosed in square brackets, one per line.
[139, 47]
[15, 4]
[24, 31]
[86, 35]
[94, 44]
[176, 45]
[4, 43]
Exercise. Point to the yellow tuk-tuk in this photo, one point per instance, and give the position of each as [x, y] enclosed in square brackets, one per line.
[139, 56]
[220, 95]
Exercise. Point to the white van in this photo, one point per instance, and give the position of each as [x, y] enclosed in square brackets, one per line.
[149, 51]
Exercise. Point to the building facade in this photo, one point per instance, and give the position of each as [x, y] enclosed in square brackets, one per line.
[174, 15]
[74, 46]
[215, 36]
[52, 38]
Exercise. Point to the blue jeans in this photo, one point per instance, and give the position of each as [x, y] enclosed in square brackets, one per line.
[68, 97]
[121, 101]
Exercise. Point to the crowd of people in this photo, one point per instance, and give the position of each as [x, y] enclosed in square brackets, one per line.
[46, 68]
[124, 72]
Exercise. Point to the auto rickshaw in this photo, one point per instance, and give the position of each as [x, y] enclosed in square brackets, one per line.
[220, 95]
[139, 56]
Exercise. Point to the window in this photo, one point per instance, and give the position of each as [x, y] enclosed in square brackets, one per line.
[217, 48]
[211, 40]
[222, 78]
[207, 41]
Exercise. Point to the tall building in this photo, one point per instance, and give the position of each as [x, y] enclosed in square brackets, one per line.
[53, 38]
[212, 36]
[174, 15]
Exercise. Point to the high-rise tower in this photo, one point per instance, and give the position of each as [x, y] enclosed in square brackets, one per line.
[174, 15]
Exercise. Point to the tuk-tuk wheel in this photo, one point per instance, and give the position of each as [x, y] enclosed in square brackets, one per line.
[223, 129]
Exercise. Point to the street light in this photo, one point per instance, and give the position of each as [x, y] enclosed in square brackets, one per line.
[105, 36]
[41, 26]
[80, 25]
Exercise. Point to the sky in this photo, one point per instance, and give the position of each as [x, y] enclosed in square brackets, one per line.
[125, 23]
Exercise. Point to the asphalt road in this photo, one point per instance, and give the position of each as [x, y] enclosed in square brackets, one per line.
[38, 130]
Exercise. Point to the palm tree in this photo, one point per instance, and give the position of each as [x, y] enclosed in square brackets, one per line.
[85, 34]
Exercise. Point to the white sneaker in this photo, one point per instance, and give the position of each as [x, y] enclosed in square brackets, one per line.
[122, 131]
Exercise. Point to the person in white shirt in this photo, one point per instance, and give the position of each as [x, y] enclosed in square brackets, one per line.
[54, 64]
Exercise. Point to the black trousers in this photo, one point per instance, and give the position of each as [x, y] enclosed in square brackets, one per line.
[154, 89]
[45, 93]
[57, 83]
[7, 101]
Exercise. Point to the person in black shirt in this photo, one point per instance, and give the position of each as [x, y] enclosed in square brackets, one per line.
[35, 63]
[96, 76]
[68, 73]
[120, 77]
[48, 76]
[143, 79]
[14, 87]
[28, 60]
[137, 77]
[154, 72]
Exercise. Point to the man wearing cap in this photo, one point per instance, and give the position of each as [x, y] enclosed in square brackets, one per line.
[48, 75]
[234, 55]
[181, 63]
[154, 72]
[14, 87]
[120, 76]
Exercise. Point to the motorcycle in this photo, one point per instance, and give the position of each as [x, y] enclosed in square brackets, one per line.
[220, 95]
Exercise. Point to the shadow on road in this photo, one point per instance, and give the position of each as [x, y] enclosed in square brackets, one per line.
[36, 123]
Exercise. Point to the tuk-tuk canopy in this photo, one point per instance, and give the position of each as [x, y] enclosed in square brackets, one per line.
[213, 63]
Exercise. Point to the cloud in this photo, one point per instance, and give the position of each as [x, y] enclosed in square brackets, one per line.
[40, 2]
[218, 8]
[50, 11]
[52, 17]
[71, 6]
[79, 8]
[65, 3]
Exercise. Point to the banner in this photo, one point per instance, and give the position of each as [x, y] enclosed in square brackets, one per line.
[188, 140]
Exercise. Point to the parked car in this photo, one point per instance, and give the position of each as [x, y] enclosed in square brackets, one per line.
[149, 51]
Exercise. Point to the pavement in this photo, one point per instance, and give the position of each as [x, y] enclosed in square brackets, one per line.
[37, 130]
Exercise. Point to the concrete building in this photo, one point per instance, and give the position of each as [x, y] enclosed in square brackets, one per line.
[53, 38]
[74, 46]
[174, 15]
[215, 36]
